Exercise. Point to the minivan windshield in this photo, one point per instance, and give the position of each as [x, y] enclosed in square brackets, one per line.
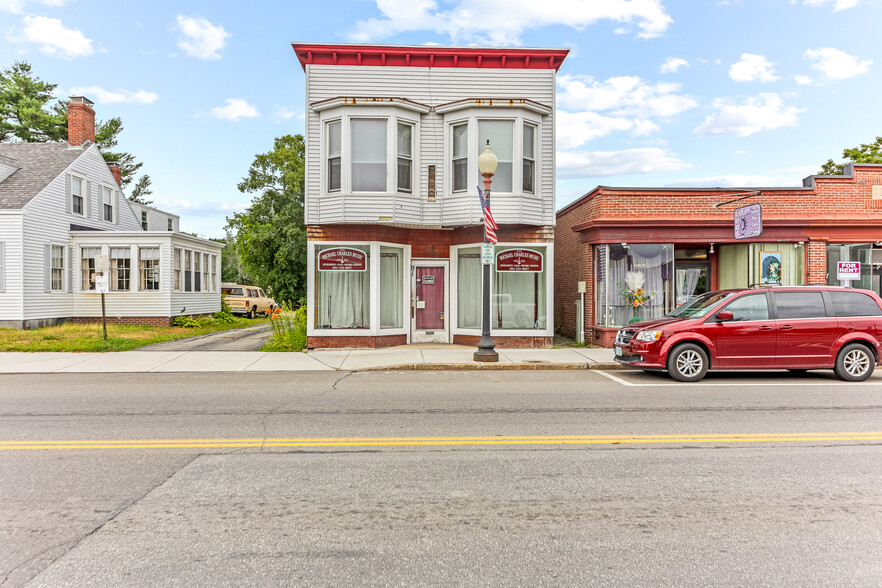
[700, 305]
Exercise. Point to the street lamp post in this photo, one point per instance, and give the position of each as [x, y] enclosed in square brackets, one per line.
[486, 349]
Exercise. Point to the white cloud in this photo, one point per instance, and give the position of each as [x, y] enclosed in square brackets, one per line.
[201, 39]
[755, 114]
[673, 64]
[501, 22]
[752, 68]
[803, 80]
[282, 113]
[837, 4]
[785, 177]
[235, 109]
[53, 37]
[585, 164]
[101, 95]
[209, 209]
[623, 96]
[836, 64]
[18, 6]
[574, 129]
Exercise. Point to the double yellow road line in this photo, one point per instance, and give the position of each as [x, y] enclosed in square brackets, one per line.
[354, 442]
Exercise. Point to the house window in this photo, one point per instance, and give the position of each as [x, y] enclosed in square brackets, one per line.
[500, 133]
[144, 219]
[107, 199]
[197, 271]
[519, 298]
[405, 158]
[188, 271]
[76, 195]
[343, 297]
[529, 159]
[632, 282]
[57, 277]
[170, 225]
[148, 268]
[120, 268]
[88, 257]
[368, 155]
[214, 273]
[335, 152]
[460, 141]
[206, 285]
[178, 269]
[391, 287]
[469, 288]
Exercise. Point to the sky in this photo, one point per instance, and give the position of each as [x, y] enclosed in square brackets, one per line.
[653, 93]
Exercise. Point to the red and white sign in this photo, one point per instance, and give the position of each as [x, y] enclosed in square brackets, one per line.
[342, 259]
[848, 270]
[518, 260]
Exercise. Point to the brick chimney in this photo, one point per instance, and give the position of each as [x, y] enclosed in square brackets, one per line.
[80, 121]
[116, 171]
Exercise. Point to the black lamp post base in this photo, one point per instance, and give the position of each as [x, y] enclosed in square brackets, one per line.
[486, 354]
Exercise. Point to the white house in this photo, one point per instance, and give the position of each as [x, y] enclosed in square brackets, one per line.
[394, 221]
[61, 209]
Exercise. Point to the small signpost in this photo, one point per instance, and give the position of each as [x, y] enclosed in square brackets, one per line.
[487, 250]
[102, 285]
[749, 221]
[848, 270]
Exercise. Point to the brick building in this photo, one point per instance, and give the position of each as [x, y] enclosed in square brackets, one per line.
[674, 243]
[394, 222]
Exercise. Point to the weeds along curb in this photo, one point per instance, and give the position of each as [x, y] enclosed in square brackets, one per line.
[492, 367]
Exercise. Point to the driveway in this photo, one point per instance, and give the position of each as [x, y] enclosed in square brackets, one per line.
[244, 339]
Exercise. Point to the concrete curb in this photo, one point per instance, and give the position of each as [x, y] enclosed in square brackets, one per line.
[490, 367]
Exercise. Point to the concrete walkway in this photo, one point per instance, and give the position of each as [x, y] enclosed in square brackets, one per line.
[410, 357]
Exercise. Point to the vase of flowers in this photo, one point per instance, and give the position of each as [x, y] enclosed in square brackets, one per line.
[631, 289]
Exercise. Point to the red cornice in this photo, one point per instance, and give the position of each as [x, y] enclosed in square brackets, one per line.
[429, 56]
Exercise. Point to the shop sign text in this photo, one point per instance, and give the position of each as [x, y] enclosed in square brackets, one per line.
[342, 259]
[519, 260]
[749, 221]
[848, 270]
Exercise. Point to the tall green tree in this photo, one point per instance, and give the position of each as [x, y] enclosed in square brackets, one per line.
[231, 267]
[270, 235]
[869, 153]
[29, 112]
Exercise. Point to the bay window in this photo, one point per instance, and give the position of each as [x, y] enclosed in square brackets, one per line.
[368, 172]
[500, 133]
[405, 157]
[529, 159]
[460, 153]
[335, 151]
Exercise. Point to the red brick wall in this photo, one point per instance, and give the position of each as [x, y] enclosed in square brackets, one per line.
[346, 341]
[507, 342]
[80, 124]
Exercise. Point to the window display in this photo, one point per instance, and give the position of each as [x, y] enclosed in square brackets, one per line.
[634, 282]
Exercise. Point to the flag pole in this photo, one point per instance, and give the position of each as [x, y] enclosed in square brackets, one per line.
[486, 348]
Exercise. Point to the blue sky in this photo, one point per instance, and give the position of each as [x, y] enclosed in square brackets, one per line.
[654, 92]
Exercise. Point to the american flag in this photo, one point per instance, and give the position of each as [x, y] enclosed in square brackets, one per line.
[490, 225]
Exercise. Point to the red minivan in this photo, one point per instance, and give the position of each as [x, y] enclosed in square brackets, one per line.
[793, 328]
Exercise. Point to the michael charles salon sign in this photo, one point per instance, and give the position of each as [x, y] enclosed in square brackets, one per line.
[342, 259]
[518, 260]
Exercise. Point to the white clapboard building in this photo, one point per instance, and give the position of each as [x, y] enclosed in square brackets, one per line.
[62, 212]
[394, 221]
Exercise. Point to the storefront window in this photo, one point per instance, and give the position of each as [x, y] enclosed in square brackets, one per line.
[858, 253]
[391, 287]
[634, 282]
[518, 300]
[468, 288]
[342, 287]
[762, 264]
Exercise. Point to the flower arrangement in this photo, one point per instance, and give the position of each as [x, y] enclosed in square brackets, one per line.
[631, 289]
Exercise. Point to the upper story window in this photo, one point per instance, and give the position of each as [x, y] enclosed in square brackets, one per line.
[368, 155]
[405, 157]
[335, 152]
[144, 219]
[107, 203]
[500, 134]
[170, 224]
[460, 153]
[76, 195]
[529, 159]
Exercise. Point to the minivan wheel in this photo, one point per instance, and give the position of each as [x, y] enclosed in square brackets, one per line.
[855, 363]
[687, 363]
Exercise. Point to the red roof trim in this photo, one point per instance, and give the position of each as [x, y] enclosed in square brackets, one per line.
[430, 56]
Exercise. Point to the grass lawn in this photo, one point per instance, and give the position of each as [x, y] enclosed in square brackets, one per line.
[79, 337]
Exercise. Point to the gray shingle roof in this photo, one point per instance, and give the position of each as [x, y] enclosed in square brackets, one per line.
[38, 163]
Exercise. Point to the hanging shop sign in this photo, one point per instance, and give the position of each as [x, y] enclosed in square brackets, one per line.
[848, 270]
[342, 259]
[518, 260]
[749, 221]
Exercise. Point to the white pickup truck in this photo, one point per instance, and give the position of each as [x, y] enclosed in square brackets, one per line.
[246, 300]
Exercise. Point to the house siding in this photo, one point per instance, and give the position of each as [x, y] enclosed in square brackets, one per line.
[11, 294]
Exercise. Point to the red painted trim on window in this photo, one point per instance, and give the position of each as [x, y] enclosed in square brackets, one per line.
[429, 56]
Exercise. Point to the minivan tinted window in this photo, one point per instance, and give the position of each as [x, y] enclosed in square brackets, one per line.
[794, 305]
[753, 307]
[854, 304]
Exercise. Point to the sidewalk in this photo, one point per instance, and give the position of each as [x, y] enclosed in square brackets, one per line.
[405, 357]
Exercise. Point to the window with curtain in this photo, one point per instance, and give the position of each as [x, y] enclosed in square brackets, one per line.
[460, 151]
[120, 268]
[335, 151]
[148, 268]
[214, 273]
[88, 257]
[188, 271]
[518, 300]
[197, 271]
[177, 261]
[500, 133]
[107, 203]
[343, 298]
[633, 282]
[57, 277]
[469, 290]
[529, 161]
[405, 158]
[368, 138]
[391, 288]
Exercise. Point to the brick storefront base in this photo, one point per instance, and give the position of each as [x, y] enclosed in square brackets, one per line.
[345, 342]
[153, 321]
[509, 342]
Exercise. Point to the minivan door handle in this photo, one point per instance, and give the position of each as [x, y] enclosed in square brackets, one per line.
[765, 328]
[786, 327]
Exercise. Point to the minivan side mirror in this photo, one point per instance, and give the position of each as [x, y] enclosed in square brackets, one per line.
[725, 315]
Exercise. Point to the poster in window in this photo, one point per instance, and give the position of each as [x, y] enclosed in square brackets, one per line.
[770, 267]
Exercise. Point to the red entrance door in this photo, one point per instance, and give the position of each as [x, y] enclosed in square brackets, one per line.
[429, 298]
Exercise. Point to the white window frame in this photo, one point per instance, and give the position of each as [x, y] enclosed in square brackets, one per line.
[83, 195]
[451, 171]
[398, 155]
[84, 284]
[177, 269]
[142, 271]
[145, 224]
[392, 115]
[524, 126]
[113, 283]
[52, 268]
[326, 156]
[107, 188]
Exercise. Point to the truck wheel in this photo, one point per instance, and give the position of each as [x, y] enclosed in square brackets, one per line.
[687, 363]
[253, 312]
[854, 363]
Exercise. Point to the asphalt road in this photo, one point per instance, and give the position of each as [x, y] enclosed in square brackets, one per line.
[244, 339]
[423, 478]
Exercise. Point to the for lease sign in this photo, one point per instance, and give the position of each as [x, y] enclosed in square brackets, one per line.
[848, 270]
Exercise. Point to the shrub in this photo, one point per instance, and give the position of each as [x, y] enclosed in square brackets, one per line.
[288, 328]
[186, 322]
